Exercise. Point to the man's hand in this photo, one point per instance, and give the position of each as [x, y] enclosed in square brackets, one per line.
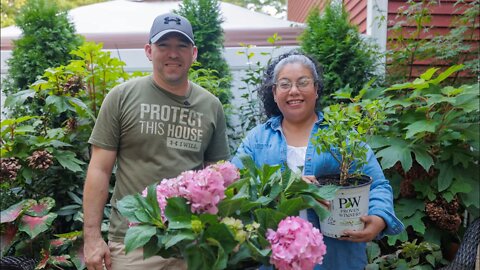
[373, 226]
[97, 254]
[95, 194]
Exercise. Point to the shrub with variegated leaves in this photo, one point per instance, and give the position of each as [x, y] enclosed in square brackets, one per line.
[27, 230]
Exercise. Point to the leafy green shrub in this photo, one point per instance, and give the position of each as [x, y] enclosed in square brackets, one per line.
[28, 231]
[430, 151]
[47, 155]
[351, 124]
[210, 80]
[249, 112]
[410, 255]
[206, 20]
[48, 37]
[407, 48]
[346, 58]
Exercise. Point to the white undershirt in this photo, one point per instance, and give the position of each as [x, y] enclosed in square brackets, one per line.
[296, 159]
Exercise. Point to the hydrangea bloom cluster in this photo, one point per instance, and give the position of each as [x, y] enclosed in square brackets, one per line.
[296, 245]
[203, 189]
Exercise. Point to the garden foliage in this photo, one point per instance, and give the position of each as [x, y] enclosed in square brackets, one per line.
[214, 220]
[206, 20]
[347, 59]
[47, 38]
[46, 155]
[209, 79]
[9, 9]
[346, 135]
[28, 230]
[413, 42]
[249, 112]
[430, 151]
[410, 255]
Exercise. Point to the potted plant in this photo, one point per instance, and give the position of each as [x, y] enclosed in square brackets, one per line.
[347, 127]
[223, 218]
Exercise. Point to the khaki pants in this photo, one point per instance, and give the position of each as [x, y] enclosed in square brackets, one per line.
[134, 260]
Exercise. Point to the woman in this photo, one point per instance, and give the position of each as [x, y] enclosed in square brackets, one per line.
[289, 93]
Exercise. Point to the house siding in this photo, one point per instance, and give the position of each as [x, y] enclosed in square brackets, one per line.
[443, 15]
[298, 9]
[357, 10]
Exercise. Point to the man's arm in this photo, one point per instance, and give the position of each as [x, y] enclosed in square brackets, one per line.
[95, 195]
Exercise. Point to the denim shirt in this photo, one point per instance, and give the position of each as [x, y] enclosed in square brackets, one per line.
[266, 144]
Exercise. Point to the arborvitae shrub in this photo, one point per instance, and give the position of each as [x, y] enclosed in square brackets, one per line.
[47, 38]
[206, 20]
[346, 58]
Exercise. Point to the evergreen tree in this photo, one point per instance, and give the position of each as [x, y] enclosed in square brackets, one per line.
[336, 44]
[206, 20]
[48, 37]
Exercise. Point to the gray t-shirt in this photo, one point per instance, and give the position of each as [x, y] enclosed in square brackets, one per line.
[157, 135]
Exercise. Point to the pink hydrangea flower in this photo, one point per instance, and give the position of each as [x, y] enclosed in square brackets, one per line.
[205, 191]
[296, 245]
[167, 188]
[229, 172]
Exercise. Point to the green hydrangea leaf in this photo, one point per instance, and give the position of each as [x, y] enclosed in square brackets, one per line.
[138, 236]
[68, 160]
[174, 239]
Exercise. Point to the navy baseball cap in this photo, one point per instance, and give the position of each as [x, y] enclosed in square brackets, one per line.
[170, 23]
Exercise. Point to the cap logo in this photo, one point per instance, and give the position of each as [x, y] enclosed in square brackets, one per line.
[168, 23]
[167, 20]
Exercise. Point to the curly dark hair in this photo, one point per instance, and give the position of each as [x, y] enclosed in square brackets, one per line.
[265, 92]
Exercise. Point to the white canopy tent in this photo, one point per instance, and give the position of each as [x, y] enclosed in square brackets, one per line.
[124, 24]
[123, 27]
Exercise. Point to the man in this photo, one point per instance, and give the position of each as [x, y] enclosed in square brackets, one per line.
[152, 127]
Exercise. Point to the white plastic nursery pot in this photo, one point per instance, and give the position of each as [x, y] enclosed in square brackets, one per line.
[349, 204]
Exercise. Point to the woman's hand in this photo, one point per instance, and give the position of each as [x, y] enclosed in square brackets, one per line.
[373, 226]
[311, 179]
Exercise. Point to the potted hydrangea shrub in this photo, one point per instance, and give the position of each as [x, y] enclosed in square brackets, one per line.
[223, 218]
[345, 138]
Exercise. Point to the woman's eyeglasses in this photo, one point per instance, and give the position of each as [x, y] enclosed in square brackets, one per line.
[286, 85]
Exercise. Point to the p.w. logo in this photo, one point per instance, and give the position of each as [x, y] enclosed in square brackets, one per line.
[349, 202]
